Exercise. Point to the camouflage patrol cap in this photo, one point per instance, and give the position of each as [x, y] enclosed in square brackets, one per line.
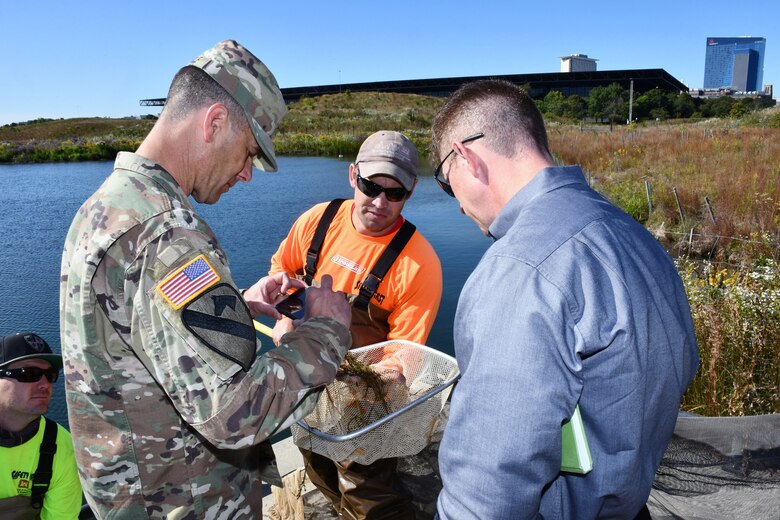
[254, 87]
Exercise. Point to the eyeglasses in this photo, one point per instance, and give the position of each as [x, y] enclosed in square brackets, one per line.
[373, 190]
[437, 173]
[30, 374]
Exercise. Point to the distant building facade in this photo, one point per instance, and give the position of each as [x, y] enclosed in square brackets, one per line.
[578, 63]
[537, 85]
[735, 63]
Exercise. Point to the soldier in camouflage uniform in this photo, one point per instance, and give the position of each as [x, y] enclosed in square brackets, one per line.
[167, 400]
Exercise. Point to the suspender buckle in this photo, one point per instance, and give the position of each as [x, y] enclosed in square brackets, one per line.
[367, 290]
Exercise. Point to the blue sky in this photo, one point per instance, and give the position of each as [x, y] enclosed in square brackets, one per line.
[99, 58]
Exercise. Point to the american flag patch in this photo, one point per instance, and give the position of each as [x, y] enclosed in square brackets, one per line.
[188, 282]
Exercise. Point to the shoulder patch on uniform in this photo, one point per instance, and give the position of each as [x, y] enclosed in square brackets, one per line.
[187, 282]
[220, 319]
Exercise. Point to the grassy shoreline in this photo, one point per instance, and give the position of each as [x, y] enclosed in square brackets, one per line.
[329, 125]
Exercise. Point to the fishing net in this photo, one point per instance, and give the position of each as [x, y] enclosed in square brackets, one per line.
[720, 468]
[391, 412]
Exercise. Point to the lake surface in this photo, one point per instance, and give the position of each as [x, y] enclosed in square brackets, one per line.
[39, 201]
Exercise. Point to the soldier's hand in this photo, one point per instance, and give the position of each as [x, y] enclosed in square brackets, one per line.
[282, 327]
[323, 301]
[268, 291]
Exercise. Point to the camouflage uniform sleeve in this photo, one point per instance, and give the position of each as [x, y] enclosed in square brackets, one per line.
[197, 334]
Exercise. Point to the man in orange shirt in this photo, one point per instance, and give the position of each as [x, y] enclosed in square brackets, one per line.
[393, 278]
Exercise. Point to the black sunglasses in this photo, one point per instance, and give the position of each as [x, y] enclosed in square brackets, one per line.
[373, 190]
[30, 374]
[437, 173]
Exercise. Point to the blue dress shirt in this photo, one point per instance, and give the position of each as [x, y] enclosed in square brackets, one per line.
[575, 302]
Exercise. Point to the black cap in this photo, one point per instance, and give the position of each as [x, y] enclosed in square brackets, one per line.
[26, 345]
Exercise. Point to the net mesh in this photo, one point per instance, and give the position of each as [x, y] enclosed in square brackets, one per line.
[720, 468]
[408, 373]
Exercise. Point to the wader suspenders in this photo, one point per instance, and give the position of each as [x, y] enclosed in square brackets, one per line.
[394, 248]
[372, 281]
[313, 254]
[43, 472]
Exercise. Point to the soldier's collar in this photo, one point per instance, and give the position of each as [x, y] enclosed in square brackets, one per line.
[155, 172]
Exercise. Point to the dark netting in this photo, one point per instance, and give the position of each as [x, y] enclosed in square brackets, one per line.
[720, 468]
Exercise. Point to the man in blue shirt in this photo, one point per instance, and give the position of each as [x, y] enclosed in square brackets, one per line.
[574, 303]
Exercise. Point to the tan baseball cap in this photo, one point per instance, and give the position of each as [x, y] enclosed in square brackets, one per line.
[389, 153]
[254, 87]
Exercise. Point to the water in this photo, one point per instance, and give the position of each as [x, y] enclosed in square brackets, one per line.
[38, 203]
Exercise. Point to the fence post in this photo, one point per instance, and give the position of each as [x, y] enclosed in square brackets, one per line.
[679, 206]
[648, 191]
[690, 241]
[617, 161]
[709, 208]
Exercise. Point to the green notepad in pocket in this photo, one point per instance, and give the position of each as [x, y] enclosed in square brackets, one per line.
[575, 454]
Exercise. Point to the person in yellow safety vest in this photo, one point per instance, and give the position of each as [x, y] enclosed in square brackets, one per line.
[38, 473]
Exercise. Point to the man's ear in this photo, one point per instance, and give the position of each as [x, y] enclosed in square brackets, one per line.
[215, 121]
[472, 158]
[413, 187]
[352, 175]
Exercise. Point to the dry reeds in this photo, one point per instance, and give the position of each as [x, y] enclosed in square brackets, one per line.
[735, 168]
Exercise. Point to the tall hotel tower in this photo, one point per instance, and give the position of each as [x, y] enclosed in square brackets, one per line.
[736, 63]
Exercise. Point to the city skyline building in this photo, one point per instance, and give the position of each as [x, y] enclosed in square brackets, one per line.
[578, 63]
[735, 63]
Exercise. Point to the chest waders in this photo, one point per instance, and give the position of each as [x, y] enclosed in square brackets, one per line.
[369, 321]
[357, 491]
[29, 508]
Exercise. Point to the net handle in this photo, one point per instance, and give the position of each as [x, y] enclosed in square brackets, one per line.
[392, 415]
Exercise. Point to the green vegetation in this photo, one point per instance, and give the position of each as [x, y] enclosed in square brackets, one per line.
[59, 140]
[611, 103]
[337, 124]
[329, 125]
[713, 188]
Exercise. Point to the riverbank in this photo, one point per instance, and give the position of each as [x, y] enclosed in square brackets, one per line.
[330, 125]
[71, 140]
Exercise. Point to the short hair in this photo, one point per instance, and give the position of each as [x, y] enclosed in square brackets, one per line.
[193, 89]
[501, 110]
